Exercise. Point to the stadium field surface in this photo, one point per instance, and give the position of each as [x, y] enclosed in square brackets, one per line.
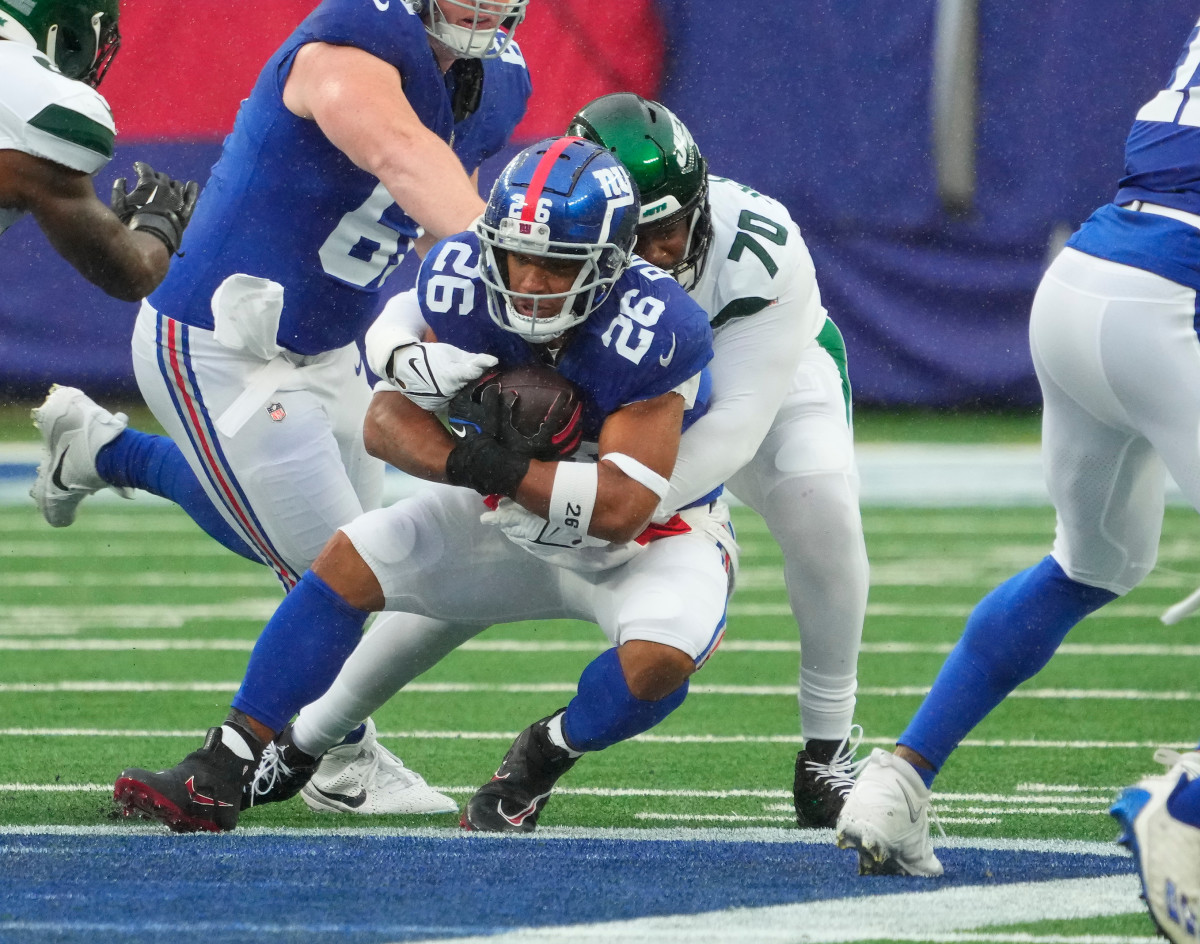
[124, 636]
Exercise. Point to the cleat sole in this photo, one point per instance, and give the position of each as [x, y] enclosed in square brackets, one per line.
[136, 800]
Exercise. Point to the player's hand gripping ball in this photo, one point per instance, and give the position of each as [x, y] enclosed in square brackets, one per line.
[532, 410]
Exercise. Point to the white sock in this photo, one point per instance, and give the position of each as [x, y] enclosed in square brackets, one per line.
[232, 738]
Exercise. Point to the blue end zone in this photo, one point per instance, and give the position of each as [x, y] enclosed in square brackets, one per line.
[306, 889]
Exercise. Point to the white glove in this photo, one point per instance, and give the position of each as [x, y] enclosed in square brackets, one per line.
[557, 546]
[523, 527]
[430, 373]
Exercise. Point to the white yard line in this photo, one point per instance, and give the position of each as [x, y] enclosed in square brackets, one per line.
[97, 644]
[915, 916]
[443, 688]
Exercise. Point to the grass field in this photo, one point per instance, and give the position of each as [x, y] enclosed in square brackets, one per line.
[124, 637]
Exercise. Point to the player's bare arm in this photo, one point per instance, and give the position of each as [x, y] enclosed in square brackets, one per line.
[124, 263]
[358, 101]
[406, 436]
[648, 432]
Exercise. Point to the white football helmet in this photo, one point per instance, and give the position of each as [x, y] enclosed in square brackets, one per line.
[470, 27]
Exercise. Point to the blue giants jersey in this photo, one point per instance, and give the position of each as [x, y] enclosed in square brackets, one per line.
[1162, 166]
[283, 203]
[646, 339]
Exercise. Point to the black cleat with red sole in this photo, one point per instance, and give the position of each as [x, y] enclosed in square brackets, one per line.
[203, 792]
[517, 793]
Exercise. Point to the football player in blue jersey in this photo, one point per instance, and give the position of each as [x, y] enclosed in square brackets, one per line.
[56, 133]
[778, 432]
[360, 138]
[546, 276]
[1113, 334]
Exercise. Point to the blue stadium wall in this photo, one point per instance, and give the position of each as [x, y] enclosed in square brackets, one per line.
[824, 104]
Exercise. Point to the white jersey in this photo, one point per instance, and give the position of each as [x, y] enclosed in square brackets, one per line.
[759, 287]
[47, 115]
[756, 257]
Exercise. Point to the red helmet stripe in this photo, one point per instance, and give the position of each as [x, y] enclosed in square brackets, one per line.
[540, 175]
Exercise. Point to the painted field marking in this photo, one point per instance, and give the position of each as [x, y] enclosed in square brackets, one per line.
[442, 688]
[791, 647]
[647, 738]
[891, 917]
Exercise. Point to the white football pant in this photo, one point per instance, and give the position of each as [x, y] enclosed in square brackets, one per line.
[1118, 360]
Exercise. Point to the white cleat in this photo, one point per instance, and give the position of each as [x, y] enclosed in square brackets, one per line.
[74, 429]
[367, 778]
[886, 818]
[1167, 850]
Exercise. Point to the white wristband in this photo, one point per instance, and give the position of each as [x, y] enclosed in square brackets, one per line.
[573, 498]
[640, 473]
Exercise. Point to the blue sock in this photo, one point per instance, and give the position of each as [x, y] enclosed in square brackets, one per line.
[604, 710]
[299, 653]
[154, 464]
[1184, 803]
[1010, 635]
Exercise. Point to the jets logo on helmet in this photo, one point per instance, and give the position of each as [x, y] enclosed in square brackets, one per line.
[79, 36]
[665, 163]
[563, 200]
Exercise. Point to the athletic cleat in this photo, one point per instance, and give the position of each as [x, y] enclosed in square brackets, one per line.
[203, 792]
[74, 429]
[886, 818]
[820, 786]
[1166, 850]
[367, 778]
[282, 772]
[517, 793]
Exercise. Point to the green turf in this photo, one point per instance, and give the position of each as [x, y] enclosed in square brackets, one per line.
[143, 574]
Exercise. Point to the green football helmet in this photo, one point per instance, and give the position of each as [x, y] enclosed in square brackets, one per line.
[79, 36]
[663, 161]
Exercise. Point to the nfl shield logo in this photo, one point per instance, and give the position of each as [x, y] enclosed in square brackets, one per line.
[276, 412]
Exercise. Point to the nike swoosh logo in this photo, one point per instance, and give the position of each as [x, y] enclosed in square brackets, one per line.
[56, 475]
[665, 361]
[913, 813]
[354, 802]
[415, 363]
[458, 431]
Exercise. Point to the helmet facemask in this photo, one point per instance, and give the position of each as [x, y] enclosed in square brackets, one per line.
[476, 41]
[86, 57]
[688, 270]
[79, 37]
[553, 313]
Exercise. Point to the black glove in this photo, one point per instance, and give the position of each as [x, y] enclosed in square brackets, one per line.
[157, 205]
[483, 464]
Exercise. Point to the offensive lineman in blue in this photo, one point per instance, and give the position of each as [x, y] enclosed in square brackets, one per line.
[547, 274]
[357, 142]
[1113, 332]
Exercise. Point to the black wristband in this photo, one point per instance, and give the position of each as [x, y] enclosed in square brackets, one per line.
[165, 226]
[483, 464]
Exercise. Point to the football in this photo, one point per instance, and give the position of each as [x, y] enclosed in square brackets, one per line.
[533, 410]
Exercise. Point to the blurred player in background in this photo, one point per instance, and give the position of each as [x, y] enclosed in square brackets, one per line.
[56, 133]
[778, 429]
[1113, 336]
[547, 276]
[352, 144]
